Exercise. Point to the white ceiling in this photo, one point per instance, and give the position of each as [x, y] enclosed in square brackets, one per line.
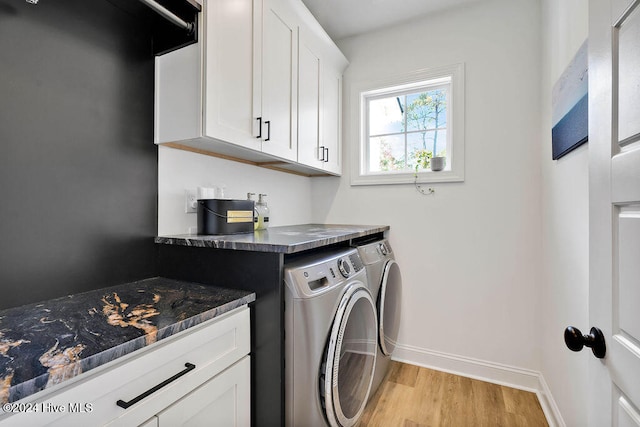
[343, 18]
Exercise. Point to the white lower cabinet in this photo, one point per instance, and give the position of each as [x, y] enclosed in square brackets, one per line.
[204, 372]
[222, 401]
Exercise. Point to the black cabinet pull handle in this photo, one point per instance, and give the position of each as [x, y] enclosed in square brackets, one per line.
[125, 405]
[268, 123]
[326, 156]
[574, 339]
[322, 151]
[259, 119]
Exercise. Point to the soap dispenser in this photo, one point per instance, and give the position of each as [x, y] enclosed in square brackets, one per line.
[263, 212]
[255, 211]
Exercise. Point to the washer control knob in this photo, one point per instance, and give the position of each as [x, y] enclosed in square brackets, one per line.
[344, 267]
[383, 249]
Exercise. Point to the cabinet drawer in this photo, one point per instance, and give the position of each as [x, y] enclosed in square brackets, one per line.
[223, 401]
[91, 400]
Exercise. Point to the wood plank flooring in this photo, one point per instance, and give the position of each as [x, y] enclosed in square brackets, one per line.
[412, 396]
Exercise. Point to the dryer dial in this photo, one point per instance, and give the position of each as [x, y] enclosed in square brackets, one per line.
[344, 267]
[383, 249]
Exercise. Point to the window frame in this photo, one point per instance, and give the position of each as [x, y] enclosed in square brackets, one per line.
[402, 91]
[361, 93]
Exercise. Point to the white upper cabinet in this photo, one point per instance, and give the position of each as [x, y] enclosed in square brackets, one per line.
[309, 102]
[259, 86]
[279, 80]
[319, 103]
[331, 142]
[232, 83]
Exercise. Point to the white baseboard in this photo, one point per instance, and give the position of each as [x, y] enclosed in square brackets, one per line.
[549, 406]
[496, 373]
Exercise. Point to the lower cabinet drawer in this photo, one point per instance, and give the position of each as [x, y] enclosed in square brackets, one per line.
[223, 401]
[193, 356]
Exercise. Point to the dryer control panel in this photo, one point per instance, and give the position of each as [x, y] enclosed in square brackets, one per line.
[313, 275]
[384, 248]
[375, 252]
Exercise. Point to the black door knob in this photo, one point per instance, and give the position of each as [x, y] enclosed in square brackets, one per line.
[576, 341]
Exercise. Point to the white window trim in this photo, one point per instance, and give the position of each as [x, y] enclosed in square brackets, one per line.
[358, 118]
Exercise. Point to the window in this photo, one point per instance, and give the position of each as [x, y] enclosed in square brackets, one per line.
[405, 128]
[404, 122]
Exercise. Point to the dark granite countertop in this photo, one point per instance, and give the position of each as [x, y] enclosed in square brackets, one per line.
[49, 342]
[287, 239]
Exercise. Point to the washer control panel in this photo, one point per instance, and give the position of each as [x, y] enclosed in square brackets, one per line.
[375, 252]
[356, 261]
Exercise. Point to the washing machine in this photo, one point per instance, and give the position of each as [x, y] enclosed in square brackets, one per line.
[385, 284]
[330, 339]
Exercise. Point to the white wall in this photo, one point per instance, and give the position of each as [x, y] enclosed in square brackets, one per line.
[470, 254]
[565, 232]
[289, 196]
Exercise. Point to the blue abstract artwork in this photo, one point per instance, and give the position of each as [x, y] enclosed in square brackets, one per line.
[570, 106]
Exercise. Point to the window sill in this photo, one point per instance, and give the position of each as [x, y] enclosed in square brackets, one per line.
[407, 178]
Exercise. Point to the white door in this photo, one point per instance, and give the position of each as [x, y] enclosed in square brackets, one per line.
[614, 212]
[332, 118]
[279, 80]
[309, 102]
[232, 71]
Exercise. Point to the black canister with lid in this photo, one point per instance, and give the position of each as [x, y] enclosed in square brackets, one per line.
[225, 216]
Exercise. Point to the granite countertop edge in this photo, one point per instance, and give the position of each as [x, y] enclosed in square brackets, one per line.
[114, 353]
[272, 243]
[73, 368]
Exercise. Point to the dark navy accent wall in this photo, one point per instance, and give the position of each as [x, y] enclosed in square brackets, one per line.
[78, 168]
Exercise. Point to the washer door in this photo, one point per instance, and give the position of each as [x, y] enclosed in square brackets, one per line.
[389, 307]
[350, 356]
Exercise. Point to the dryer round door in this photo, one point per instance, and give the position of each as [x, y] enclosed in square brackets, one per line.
[389, 307]
[347, 371]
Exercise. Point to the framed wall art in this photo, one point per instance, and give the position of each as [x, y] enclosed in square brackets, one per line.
[570, 106]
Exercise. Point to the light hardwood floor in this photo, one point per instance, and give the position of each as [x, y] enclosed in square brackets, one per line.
[412, 396]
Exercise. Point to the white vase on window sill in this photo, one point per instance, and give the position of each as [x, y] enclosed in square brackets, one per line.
[437, 163]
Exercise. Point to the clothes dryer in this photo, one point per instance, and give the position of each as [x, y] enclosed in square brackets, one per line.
[385, 284]
[330, 339]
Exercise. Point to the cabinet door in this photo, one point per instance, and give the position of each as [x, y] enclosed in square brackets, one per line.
[279, 80]
[232, 68]
[178, 88]
[309, 103]
[223, 401]
[332, 120]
